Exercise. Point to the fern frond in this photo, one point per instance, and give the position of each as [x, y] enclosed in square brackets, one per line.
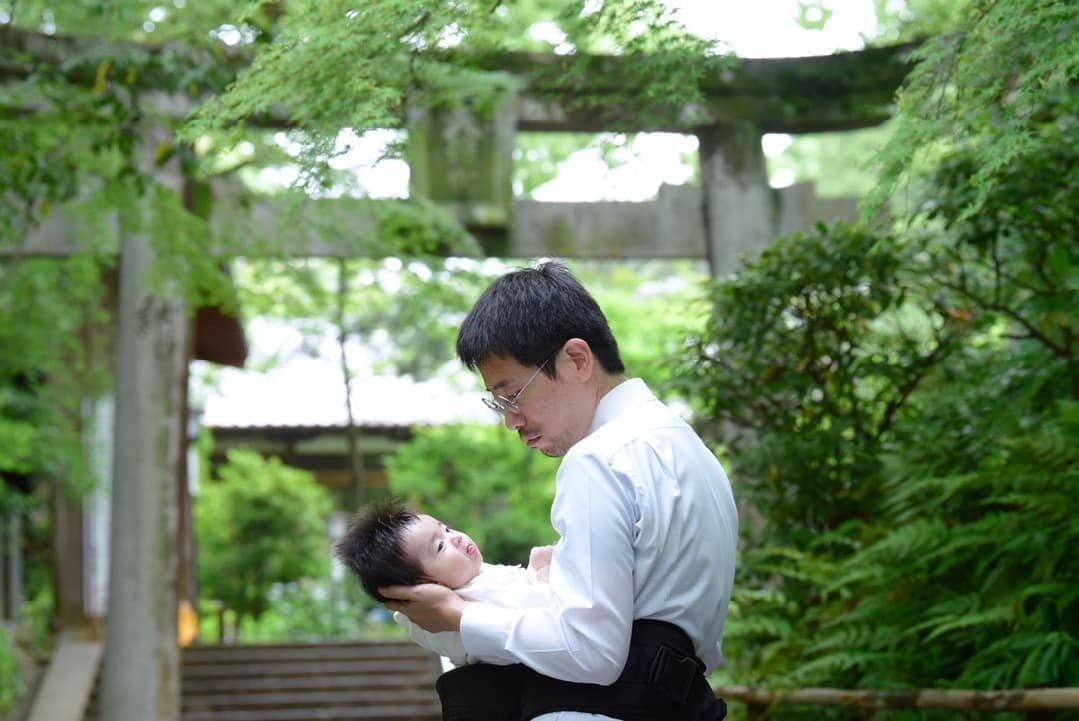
[995, 616]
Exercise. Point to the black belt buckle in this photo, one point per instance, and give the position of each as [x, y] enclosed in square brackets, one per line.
[673, 672]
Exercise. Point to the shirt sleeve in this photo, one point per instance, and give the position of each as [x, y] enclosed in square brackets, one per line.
[445, 643]
[584, 634]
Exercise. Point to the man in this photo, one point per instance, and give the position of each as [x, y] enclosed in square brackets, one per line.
[644, 511]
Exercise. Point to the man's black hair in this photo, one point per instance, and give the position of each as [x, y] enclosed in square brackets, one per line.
[529, 313]
[372, 548]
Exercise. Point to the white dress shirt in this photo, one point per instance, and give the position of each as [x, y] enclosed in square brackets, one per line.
[648, 528]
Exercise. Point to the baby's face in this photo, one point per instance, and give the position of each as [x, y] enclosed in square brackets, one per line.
[447, 557]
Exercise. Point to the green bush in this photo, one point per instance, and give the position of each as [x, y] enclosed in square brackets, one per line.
[10, 671]
[261, 523]
[903, 408]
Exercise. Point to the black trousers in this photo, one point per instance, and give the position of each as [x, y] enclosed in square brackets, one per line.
[662, 681]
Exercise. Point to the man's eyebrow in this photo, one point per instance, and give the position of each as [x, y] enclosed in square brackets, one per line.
[502, 384]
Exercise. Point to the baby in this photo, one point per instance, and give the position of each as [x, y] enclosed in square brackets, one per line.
[387, 544]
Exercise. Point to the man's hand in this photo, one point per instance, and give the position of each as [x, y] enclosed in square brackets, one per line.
[432, 607]
[539, 560]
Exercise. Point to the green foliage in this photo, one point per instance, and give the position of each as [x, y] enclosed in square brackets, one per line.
[304, 610]
[916, 19]
[337, 65]
[424, 310]
[668, 61]
[917, 508]
[904, 404]
[537, 156]
[422, 299]
[482, 480]
[10, 671]
[52, 354]
[109, 18]
[1015, 263]
[811, 350]
[309, 610]
[984, 89]
[261, 523]
[76, 132]
[971, 570]
[838, 164]
[332, 64]
[666, 293]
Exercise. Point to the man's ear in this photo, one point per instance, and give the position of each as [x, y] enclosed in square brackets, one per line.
[580, 355]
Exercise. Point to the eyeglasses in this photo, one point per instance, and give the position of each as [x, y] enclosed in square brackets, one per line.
[501, 404]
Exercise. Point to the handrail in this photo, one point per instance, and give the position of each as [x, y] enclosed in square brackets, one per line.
[1031, 699]
[68, 683]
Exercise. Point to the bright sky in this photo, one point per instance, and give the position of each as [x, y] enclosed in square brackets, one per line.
[769, 28]
[307, 390]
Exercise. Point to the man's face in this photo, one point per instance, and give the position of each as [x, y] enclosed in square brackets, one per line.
[446, 556]
[553, 413]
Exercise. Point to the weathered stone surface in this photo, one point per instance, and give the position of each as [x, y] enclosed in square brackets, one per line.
[672, 226]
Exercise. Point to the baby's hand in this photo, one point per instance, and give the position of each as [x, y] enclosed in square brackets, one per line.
[539, 560]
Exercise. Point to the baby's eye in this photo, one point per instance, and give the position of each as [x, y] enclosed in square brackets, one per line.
[441, 544]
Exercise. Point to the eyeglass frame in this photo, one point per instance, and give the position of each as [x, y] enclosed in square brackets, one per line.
[500, 404]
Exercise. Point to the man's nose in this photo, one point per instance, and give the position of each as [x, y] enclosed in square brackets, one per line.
[513, 420]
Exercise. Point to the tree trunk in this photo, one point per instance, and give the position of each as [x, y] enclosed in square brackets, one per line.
[355, 460]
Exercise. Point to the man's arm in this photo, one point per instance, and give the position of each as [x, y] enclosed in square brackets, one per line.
[584, 634]
[444, 643]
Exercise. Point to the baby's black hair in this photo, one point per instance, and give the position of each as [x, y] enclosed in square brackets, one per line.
[372, 548]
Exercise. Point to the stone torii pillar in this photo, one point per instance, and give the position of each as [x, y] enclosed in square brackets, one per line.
[462, 159]
[739, 206]
[140, 678]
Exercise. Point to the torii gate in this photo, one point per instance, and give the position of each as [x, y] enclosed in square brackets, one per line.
[463, 162]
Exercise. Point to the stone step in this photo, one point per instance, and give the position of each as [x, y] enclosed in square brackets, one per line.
[372, 681]
[312, 667]
[359, 649]
[294, 699]
[396, 713]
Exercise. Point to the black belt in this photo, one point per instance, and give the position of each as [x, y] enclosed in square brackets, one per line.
[662, 681]
[661, 655]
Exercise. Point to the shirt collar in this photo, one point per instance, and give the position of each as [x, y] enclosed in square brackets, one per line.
[627, 393]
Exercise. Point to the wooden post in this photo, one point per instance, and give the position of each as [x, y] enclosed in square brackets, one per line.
[198, 200]
[68, 570]
[186, 576]
[140, 675]
[11, 565]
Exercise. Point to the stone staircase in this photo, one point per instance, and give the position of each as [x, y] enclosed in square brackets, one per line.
[373, 681]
